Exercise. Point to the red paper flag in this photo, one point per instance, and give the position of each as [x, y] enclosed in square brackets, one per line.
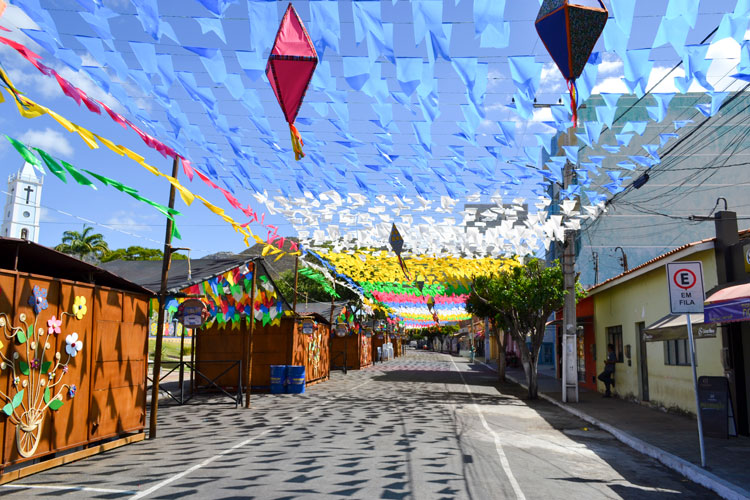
[290, 68]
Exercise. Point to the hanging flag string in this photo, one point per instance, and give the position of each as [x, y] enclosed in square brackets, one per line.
[30, 109]
[93, 105]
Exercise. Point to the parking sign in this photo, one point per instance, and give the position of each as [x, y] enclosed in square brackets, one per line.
[685, 287]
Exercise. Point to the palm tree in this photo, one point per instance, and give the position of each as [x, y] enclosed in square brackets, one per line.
[84, 244]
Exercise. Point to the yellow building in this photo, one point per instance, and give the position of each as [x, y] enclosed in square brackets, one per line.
[628, 304]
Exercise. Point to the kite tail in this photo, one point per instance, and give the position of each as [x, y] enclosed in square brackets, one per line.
[404, 268]
[573, 97]
[296, 142]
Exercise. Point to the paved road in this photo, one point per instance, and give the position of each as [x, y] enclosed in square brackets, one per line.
[425, 426]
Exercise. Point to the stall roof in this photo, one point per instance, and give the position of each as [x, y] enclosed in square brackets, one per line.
[182, 273]
[321, 309]
[29, 257]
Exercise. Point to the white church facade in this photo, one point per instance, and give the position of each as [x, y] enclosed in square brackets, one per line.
[23, 205]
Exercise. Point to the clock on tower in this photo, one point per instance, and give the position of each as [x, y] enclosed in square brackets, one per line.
[22, 207]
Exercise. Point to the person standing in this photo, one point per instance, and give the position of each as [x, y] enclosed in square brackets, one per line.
[608, 375]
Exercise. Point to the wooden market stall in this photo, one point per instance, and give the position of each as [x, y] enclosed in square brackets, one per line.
[397, 346]
[74, 352]
[227, 344]
[354, 350]
[378, 340]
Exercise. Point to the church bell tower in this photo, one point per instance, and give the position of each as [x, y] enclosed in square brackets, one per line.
[22, 206]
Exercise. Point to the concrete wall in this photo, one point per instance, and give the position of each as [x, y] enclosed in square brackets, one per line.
[645, 299]
[688, 182]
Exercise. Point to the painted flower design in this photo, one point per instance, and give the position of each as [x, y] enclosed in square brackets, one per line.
[34, 364]
[79, 307]
[73, 344]
[72, 391]
[65, 368]
[53, 326]
[38, 299]
[16, 380]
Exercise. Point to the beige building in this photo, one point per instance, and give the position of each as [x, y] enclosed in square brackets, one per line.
[659, 370]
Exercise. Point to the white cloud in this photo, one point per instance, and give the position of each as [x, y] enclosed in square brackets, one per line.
[49, 140]
[46, 215]
[15, 17]
[127, 220]
[609, 66]
[551, 80]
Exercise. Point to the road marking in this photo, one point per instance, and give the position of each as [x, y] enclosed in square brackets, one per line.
[207, 461]
[360, 385]
[66, 488]
[498, 445]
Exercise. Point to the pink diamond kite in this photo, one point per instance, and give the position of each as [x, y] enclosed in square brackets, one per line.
[290, 68]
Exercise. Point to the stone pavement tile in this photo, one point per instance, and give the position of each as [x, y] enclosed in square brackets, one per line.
[411, 428]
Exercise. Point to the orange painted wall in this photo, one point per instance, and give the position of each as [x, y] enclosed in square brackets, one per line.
[109, 372]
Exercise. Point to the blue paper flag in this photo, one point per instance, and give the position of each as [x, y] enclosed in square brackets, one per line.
[217, 7]
[211, 25]
[325, 27]
[356, 71]
[409, 73]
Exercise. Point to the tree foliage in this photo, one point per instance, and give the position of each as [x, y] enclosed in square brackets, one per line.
[138, 253]
[310, 290]
[519, 301]
[85, 245]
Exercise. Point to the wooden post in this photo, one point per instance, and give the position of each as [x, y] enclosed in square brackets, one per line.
[160, 317]
[296, 275]
[249, 355]
[330, 327]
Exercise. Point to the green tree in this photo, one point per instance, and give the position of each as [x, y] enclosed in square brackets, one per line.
[519, 301]
[310, 290]
[138, 253]
[85, 245]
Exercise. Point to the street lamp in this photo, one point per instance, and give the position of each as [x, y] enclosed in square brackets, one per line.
[623, 259]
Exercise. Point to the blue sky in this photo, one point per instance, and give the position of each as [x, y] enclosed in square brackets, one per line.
[203, 231]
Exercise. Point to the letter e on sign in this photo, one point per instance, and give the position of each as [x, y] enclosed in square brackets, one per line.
[685, 280]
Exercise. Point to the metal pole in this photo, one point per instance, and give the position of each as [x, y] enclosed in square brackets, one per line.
[695, 387]
[570, 365]
[182, 366]
[192, 361]
[296, 276]
[249, 358]
[162, 300]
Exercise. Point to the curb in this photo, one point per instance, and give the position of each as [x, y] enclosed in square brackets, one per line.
[721, 487]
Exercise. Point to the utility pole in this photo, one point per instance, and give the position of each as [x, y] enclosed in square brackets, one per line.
[569, 325]
[595, 255]
[162, 300]
[570, 351]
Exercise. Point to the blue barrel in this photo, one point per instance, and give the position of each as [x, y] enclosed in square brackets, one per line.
[278, 379]
[296, 376]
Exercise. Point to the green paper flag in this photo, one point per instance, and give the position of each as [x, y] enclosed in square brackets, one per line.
[175, 233]
[52, 165]
[111, 182]
[25, 152]
[76, 175]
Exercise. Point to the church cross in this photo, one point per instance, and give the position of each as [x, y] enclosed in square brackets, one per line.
[28, 193]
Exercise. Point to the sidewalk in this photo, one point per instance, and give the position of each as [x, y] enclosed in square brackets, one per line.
[672, 439]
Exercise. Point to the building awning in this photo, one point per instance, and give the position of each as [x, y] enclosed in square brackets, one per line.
[674, 326]
[729, 304]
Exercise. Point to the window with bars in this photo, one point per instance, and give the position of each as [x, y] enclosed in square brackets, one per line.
[677, 352]
[614, 337]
